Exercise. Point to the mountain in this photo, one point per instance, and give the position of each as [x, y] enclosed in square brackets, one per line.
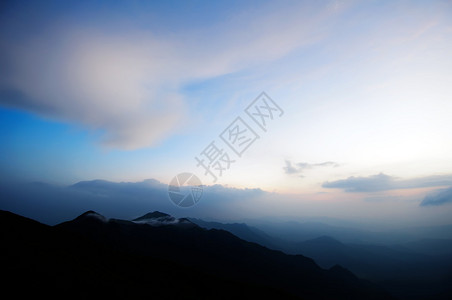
[406, 274]
[241, 230]
[157, 218]
[429, 232]
[307, 229]
[128, 258]
[40, 260]
[429, 246]
[412, 270]
[154, 215]
[294, 231]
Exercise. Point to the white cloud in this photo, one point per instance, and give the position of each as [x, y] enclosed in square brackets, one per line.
[127, 83]
[104, 82]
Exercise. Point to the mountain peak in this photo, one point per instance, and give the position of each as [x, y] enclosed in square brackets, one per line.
[153, 215]
[92, 214]
[158, 218]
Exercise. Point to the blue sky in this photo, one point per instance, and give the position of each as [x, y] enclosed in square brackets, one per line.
[130, 91]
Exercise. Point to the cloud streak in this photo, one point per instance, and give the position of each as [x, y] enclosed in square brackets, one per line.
[297, 168]
[383, 182]
[439, 197]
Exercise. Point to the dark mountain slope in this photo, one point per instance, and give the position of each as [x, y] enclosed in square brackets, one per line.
[416, 270]
[98, 257]
[406, 274]
[243, 231]
[39, 260]
[221, 253]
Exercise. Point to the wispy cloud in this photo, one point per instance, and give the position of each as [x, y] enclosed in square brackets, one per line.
[127, 83]
[298, 168]
[383, 182]
[439, 197]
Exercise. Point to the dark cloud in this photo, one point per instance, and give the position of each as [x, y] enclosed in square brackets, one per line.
[289, 168]
[438, 197]
[298, 168]
[373, 183]
[383, 182]
[52, 204]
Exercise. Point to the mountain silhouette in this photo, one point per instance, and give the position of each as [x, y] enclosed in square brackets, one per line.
[127, 258]
[157, 218]
[415, 270]
[153, 215]
[243, 231]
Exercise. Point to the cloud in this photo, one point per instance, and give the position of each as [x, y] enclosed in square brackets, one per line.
[383, 182]
[298, 168]
[439, 197]
[52, 204]
[289, 169]
[127, 83]
[102, 81]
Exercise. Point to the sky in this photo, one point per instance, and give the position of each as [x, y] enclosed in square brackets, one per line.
[358, 95]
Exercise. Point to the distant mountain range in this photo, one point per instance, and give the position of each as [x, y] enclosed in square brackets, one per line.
[161, 257]
[298, 231]
[419, 269]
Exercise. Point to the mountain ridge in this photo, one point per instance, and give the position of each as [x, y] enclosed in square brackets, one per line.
[220, 253]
